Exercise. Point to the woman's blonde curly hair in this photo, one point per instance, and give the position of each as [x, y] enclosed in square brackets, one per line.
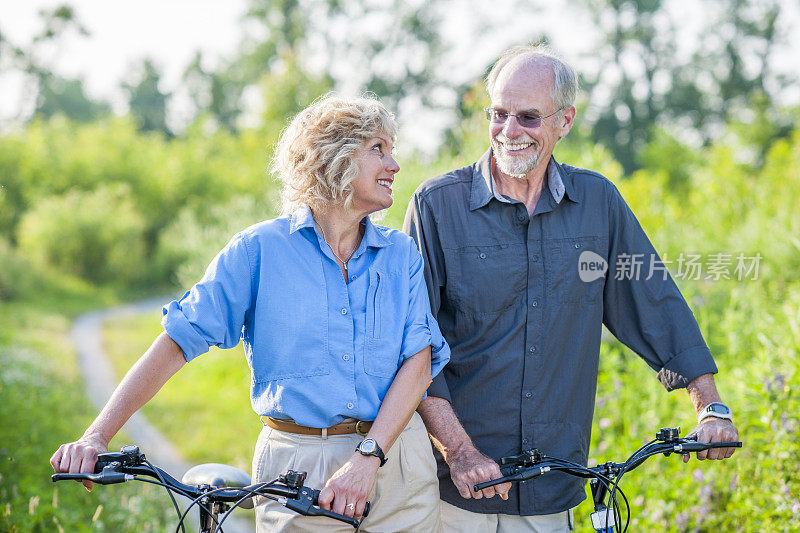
[315, 155]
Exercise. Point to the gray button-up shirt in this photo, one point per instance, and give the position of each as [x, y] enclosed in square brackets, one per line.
[521, 301]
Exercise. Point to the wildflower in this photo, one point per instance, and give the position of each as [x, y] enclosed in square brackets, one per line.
[33, 504]
[681, 520]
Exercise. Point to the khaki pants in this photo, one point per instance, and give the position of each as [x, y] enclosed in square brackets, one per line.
[406, 492]
[455, 520]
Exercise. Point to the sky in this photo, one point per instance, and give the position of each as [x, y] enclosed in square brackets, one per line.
[171, 31]
[121, 34]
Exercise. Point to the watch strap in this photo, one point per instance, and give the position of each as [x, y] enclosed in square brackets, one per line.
[377, 452]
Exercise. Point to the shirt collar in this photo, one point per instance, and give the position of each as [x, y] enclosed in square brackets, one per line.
[483, 186]
[373, 236]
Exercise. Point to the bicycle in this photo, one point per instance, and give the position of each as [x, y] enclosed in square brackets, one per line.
[214, 488]
[605, 478]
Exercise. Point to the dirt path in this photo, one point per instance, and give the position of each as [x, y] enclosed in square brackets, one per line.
[100, 381]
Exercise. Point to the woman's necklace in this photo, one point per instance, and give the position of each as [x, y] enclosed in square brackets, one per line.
[350, 256]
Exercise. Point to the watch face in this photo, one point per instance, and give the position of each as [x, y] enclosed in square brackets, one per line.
[368, 446]
[719, 409]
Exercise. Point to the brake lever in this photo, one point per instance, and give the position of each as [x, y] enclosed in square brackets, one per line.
[108, 476]
[526, 458]
[304, 505]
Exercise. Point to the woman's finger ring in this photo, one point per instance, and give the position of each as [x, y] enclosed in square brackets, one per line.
[351, 506]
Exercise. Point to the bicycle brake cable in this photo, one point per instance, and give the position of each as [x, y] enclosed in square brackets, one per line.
[169, 490]
[251, 494]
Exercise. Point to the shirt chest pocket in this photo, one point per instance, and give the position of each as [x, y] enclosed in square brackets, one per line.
[576, 269]
[385, 318]
[486, 279]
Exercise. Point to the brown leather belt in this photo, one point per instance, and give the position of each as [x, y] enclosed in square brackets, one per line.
[343, 428]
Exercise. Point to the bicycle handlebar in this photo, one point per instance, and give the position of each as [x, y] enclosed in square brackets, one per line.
[605, 477]
[126, 465]
[531, 463]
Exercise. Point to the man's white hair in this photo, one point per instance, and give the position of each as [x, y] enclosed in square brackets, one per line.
[565, 83]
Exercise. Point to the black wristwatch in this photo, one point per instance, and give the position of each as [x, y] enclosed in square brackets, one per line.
[370, 447]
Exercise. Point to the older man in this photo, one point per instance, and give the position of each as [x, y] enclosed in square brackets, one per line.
[503, 240]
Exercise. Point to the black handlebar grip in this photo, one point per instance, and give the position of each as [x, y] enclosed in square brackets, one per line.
[480, 486]
[315, 501]
[699, 447]
[108, 478]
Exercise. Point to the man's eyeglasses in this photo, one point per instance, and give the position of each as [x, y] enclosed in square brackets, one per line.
[526, 120]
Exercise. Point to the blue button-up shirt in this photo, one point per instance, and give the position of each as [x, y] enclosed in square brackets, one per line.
[320, 350]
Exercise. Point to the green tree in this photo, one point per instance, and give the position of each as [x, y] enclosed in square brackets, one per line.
[644, 84]
[217, 94]
[148, 104]
[51, 94]
[64, 96]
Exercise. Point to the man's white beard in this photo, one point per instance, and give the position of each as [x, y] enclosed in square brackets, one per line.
[514, 166]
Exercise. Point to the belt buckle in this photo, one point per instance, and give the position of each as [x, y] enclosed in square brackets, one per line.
[362, 433]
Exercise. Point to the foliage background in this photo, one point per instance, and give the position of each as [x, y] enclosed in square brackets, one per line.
[97, 209]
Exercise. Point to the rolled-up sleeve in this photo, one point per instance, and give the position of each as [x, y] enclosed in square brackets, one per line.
[650, 316]
[421, 329]
[212, 312]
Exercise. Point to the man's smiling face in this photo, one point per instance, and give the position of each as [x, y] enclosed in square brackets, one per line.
[524, 88]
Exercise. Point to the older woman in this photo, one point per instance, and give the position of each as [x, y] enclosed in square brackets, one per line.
[337, 329]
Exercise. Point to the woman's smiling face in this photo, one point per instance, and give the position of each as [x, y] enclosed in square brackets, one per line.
[372, 189]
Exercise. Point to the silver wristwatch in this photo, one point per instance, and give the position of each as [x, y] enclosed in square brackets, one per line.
[715, 409]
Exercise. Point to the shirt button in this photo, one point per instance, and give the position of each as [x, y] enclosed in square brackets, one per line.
[350, 405]
[532, 349]
[521, 217]
[524, 441]
[344, 311]
[346, 357]
[534, 304]
[535, 258]
[577, 245]
[482, 256]
[528, 394]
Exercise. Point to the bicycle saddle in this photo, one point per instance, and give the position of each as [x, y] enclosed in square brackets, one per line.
[218, 475]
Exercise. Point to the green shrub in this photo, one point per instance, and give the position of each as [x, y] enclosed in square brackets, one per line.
[95, 235]
[189, 244]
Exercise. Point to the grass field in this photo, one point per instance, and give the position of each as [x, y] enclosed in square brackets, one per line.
[43, 405]
[205, 408]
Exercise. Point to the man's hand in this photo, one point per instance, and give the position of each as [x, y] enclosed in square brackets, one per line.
[702, 391]
[714, 430]
[468, 466]
[347, 490]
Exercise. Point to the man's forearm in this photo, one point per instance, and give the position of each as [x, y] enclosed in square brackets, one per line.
[468, 465]
[702, 391]
[446, 431]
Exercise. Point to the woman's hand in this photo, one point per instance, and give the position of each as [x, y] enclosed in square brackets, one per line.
[347, 490]
[79, 456]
